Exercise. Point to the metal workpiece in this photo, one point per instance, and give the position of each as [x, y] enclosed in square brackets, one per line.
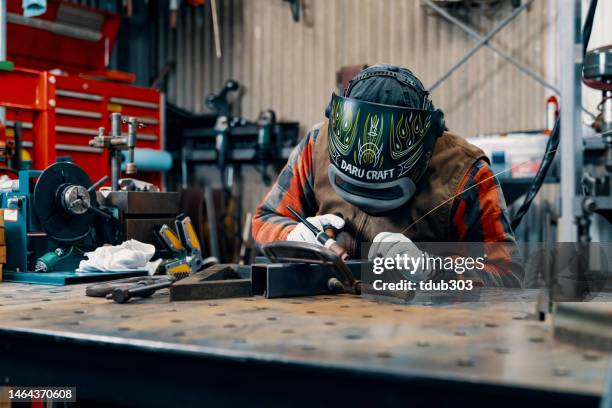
[305, 255]
[284, 280]
[446, 354]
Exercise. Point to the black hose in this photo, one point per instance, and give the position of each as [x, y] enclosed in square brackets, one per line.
[588, 26]
[547, 159]
[553, 141]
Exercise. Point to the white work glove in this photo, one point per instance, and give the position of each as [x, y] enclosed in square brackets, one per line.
[391, 244]
[301, 232]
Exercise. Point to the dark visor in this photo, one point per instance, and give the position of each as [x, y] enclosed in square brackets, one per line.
[388, 193]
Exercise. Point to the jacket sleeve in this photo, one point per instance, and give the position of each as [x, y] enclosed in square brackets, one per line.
[294, 186]
[479, 214]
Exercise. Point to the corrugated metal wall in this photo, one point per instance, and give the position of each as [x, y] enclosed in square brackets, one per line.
[290, 67]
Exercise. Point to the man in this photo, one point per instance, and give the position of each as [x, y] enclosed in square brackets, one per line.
[383, 169]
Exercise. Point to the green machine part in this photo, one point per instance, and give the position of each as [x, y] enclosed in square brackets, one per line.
[48, 261]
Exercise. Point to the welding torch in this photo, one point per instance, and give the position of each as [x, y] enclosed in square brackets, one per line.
[321, 236]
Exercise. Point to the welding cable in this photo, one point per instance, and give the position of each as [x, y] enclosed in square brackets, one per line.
[588, 26]
[553, 142]
[549, 155]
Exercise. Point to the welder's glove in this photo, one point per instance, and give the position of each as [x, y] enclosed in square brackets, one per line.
[303, 234]
[391, 244]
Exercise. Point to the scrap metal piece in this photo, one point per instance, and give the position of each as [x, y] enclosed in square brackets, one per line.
[216, 282]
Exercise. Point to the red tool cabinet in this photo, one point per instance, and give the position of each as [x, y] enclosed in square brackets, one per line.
[73, 103]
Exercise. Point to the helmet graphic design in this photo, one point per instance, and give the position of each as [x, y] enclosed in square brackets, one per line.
[379, 152]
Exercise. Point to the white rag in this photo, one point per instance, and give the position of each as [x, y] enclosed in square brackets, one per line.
[131, 254]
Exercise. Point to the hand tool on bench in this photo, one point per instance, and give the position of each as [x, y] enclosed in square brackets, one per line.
[105, 289]
[188, 259]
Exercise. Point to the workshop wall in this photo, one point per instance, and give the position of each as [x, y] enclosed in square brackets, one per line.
[290, 67]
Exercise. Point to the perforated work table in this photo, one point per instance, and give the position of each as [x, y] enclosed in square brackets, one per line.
[320, 350]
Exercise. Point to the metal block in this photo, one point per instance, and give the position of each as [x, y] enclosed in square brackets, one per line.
[141, 202]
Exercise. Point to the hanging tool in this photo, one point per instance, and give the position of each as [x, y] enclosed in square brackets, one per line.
[265, 151]
[295, 9]
[219, 102]
[322, 236]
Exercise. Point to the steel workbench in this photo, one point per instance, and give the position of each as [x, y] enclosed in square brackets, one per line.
[320, 350]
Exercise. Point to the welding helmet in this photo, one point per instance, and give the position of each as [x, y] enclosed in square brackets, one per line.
[381, 137]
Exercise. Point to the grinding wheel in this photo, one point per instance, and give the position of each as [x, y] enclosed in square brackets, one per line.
[53, 217]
